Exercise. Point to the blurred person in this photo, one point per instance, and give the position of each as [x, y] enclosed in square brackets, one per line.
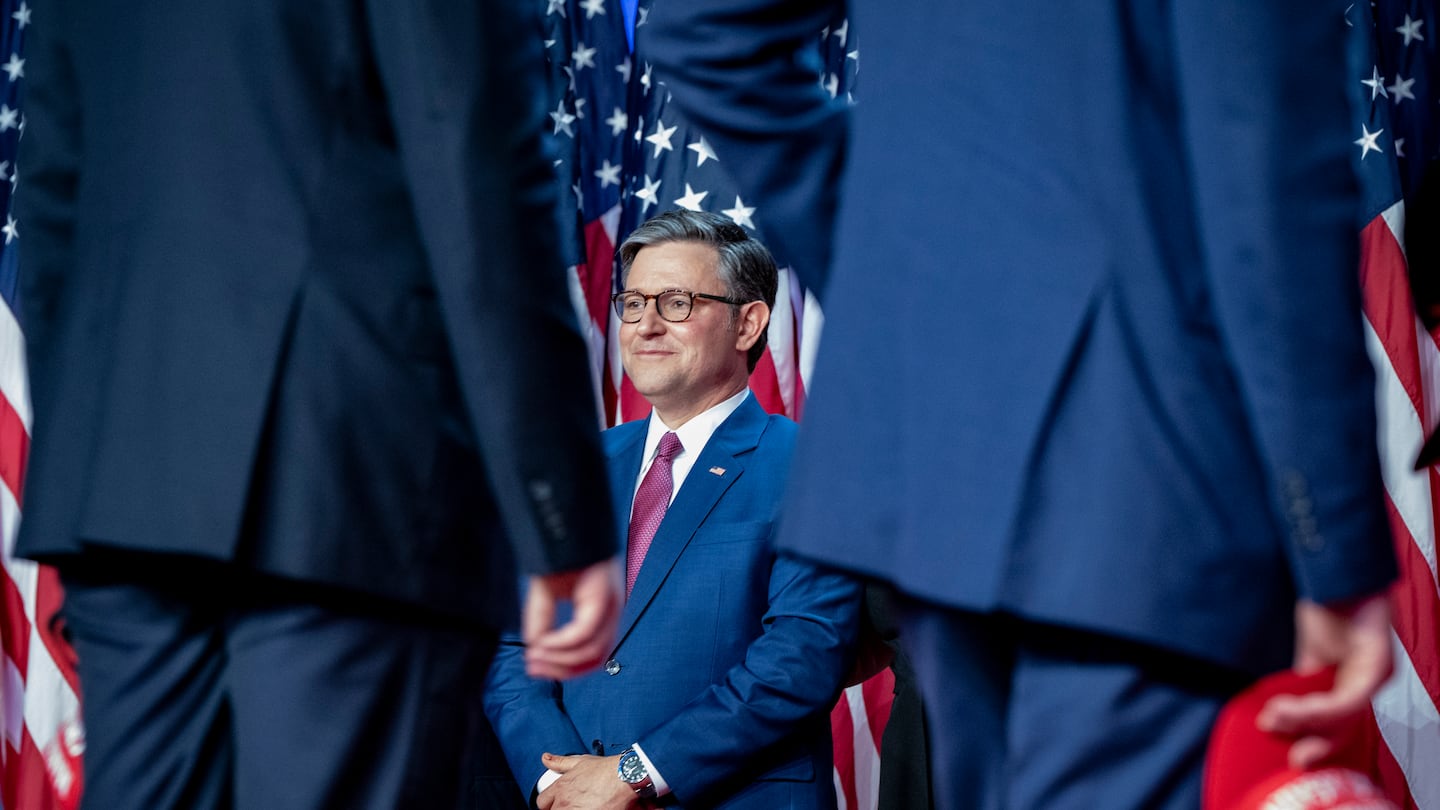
[306, 387]
[1093, 394]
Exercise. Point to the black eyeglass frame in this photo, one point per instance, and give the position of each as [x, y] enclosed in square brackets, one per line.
[617, 303]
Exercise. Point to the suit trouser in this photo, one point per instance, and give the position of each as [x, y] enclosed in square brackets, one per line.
[205, 687]
[1024, 715]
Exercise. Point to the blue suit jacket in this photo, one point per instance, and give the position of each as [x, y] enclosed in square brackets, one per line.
[1093, 352]
[728, 657]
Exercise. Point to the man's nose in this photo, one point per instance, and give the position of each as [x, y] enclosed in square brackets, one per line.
[650, 322]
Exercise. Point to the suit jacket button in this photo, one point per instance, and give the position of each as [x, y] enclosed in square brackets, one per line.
[612, 667]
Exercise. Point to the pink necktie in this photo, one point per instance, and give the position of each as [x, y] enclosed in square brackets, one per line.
[651, 501]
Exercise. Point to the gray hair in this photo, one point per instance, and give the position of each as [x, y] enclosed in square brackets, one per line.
[746, 267]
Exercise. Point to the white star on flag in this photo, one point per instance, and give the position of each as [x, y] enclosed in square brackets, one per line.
[741, 213]
[618, 120]
[9, 119]
[692, 198]
[1400, 90]
[703, 151]
[554, 6]
[10, 230]
[608, 174]
[22, 15]
[1411, 30]
[1366, 142]
[649, 194]
[1399, 148]
[661, 137]
[563, 120]
[583, 57]
[15, 68]
[1375, 83]
[592, 7]
[624, 70]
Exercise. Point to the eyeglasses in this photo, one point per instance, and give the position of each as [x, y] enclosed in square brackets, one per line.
[673, 305]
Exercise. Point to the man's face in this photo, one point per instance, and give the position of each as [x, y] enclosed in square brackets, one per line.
[684, 368]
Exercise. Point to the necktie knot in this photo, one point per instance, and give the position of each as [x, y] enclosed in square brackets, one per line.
[670, 447]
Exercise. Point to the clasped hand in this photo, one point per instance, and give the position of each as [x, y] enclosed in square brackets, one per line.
[587, 783]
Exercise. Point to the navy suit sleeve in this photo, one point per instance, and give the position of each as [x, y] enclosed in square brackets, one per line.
[461, 82]
[792, 671]
[739, 70]
[527, 715]
[1276, 201]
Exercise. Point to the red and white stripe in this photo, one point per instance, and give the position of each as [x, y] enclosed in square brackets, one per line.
[39, 693]
[1407, 363]
[782, 377]
[857, 723]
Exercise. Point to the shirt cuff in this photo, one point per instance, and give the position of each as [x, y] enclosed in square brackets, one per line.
[661, 788]
[546, 780]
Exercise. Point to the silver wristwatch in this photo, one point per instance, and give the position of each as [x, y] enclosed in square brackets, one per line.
[633, 773]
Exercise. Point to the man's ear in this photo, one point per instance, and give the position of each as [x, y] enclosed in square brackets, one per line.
[751, 323]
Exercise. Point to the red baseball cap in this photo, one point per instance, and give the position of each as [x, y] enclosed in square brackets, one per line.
[1247, 769]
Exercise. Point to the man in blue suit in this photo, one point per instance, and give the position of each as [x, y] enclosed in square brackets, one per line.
[729, 657]
[1093, 394]
[307, 385]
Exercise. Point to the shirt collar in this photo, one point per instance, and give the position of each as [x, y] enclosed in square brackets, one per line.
[696, 432]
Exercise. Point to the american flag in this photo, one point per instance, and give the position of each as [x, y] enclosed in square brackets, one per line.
[589, 65]
[39, 695]
[626, 154]
[670, 164]
[1392, 59]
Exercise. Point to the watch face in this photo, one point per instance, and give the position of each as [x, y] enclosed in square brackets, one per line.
[632, 770]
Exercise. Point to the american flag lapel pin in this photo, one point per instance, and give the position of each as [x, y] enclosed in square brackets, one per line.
[717, 470]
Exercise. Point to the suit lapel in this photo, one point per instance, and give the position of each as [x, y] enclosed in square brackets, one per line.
[717, 468]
